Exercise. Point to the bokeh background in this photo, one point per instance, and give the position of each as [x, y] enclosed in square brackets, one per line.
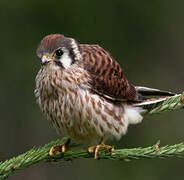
[146, 37]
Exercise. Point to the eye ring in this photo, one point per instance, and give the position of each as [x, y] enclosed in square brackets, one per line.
[59, 52]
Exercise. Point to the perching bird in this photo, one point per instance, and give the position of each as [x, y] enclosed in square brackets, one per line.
[84, 92]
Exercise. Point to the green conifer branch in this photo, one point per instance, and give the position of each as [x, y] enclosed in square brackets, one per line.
[169, 104]
[36, 155]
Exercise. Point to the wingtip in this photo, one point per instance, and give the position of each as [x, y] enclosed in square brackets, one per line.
[145, 91]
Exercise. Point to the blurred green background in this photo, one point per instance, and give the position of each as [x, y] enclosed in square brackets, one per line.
[146, 37]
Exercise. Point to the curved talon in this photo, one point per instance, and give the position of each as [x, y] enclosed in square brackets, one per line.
[95, 149]
[59, 148]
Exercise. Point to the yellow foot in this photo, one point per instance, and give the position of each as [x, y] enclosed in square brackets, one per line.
[59, 148]
[95, 149]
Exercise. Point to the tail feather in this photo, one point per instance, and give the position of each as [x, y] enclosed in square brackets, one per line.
[159, 104]
[145, 91]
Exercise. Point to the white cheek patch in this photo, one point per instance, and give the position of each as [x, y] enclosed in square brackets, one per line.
[66, 60]
[76, 50]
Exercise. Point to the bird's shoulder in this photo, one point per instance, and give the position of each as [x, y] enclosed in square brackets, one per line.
[107, 77]
[99, 61]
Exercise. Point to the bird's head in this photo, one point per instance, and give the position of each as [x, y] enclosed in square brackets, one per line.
[58, 50]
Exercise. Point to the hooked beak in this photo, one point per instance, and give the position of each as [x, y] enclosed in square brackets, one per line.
[45, 59]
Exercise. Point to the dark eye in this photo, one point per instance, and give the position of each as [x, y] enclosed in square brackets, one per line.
[59, 53]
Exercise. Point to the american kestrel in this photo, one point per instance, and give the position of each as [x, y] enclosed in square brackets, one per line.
[84, 92]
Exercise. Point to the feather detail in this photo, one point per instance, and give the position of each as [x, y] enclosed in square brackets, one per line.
[145, 91]
[107, 78]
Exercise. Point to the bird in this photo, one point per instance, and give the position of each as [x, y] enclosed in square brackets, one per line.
[83, 90]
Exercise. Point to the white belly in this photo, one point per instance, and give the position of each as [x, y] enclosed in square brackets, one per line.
[80, 114]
